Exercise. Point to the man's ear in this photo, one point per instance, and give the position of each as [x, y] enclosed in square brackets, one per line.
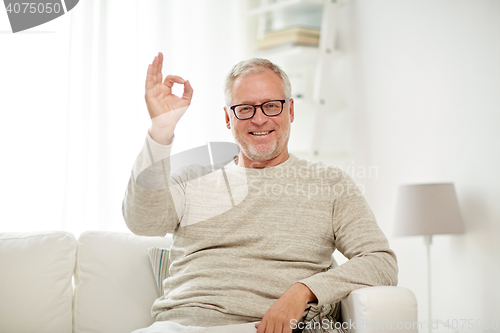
[228, 121]
[292, 114]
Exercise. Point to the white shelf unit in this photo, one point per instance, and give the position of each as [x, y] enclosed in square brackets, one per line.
[264, 6]
[322, 127]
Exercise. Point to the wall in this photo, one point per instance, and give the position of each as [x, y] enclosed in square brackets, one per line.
[426, 108]
[33, 104]
[73, 114]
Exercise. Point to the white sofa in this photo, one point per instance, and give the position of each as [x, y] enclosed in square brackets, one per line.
[103, 282]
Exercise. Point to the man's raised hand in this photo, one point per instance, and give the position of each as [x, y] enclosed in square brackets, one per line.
[159, 97]
[165, 108]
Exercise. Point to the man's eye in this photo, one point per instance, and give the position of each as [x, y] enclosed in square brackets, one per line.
[245, 108]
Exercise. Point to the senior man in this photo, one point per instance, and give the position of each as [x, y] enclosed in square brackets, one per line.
[253, 240]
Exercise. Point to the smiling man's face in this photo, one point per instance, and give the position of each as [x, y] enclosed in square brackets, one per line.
[263, 140]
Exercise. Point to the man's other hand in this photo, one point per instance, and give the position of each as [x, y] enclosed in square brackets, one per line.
[290, 306]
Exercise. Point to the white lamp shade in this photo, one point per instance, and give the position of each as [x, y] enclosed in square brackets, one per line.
[428, 209]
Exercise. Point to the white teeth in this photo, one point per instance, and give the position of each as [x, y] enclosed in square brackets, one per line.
[260, 133]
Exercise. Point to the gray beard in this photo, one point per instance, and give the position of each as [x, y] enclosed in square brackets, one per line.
[252, 153]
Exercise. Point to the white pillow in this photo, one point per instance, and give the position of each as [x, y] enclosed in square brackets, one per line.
[114, 284]
[35, 281]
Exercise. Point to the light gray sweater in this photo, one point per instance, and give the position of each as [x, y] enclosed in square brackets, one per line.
[241, 237]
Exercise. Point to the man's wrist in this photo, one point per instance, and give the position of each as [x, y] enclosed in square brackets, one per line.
[304, 293]
[162, 136]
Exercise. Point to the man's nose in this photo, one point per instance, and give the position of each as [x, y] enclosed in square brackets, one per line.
[259, 117]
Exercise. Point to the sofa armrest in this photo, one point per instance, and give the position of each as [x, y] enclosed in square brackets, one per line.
[380, 309]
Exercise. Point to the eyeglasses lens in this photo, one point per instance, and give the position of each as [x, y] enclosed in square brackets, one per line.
[271, 108]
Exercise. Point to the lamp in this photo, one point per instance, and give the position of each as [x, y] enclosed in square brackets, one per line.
[428, 209]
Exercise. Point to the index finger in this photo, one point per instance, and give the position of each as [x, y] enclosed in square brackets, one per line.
[188, 91]
[171, 79]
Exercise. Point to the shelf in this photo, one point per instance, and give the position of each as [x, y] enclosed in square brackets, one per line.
[290, 50]
[317, 73]
[282, 5]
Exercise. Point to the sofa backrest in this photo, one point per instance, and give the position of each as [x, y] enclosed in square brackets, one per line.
[113, 280]
[35, 282]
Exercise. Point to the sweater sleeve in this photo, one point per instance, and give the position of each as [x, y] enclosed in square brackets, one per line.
[153, 203]
[358, 237]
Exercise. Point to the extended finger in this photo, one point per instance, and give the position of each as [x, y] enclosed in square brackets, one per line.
[155, 65]
[150, 78]
[171, 79]
[265, 327]
[188, 91]
[160, 59]
[270, 328]
[157, 68]
[261, 326]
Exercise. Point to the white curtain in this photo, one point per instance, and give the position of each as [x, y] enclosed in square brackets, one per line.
[104, 117]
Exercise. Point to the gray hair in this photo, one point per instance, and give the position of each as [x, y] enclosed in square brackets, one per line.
[251, 66]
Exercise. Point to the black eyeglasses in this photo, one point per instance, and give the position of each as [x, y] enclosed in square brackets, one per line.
[270, 109]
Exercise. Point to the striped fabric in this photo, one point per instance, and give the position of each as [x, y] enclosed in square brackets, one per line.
[160, 261]
[322, 319]
[315, 320]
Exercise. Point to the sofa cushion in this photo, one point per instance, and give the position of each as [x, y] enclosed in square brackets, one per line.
[35, 281]
[114, 283]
